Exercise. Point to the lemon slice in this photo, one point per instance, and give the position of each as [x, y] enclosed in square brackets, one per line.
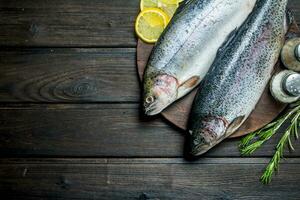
[168, 6]
[150, 23]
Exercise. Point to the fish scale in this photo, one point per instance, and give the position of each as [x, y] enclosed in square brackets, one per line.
[188, 47]
[238, 77]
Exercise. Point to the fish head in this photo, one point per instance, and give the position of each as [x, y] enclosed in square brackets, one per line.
[159, 92]
[205, 133]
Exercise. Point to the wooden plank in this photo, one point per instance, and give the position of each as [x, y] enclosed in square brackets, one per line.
[73, 23]
[68, 75]
[68, 23]
[230, 178]
[98, 130]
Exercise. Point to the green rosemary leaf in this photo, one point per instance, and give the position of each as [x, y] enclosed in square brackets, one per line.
[290, 144]
[248, 145]
[267, 175]
[296, 131]
[248, 150]
[246, 140]
[267, 134]
[296, 125]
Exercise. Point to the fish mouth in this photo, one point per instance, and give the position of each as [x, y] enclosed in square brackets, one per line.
[199, 145]
[156, 107]
[200, 150]
[153, 109]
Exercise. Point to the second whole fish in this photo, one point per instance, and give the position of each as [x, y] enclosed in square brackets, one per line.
[188, 47]
[238, 77]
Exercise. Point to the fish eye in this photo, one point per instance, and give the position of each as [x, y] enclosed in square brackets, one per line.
[150, 99]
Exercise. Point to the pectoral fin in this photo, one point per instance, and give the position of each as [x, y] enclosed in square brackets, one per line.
[188, 85]
[235, 124]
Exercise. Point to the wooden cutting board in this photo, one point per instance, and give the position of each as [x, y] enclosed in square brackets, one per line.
[265, 111]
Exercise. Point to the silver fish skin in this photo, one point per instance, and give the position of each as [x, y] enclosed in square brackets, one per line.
[238, 77]
[187, 48]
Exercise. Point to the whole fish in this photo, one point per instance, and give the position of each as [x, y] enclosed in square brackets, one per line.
[188, 47]
[238, 76]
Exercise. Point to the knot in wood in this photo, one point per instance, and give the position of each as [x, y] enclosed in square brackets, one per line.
[83, 89]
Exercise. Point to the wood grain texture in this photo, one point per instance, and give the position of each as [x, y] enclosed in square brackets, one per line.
[73, 23]
[72, 102]
[152, 179]
[68, 75]
[98, 130]
[68, 23]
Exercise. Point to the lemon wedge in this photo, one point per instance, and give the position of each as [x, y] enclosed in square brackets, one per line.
[168, 6]
[150, 23]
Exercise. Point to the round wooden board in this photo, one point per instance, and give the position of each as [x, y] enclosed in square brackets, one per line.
[266, 110]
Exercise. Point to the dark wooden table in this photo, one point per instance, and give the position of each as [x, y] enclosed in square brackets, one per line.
[70, 123]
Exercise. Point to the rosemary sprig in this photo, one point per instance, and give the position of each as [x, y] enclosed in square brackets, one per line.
[255, 140]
